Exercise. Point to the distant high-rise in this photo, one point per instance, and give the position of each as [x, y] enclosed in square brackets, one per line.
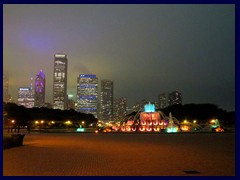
[60, 81]
[25, 97]
[87, 94]
[40, 89]
[119, 109]
[106, 101]
[162, 100]
[175, 97]
[139, 105]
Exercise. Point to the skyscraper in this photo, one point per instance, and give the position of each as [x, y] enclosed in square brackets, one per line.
[60, 81]
[139, 105]
[163, 100]
[87, 94]
[119, 109]
[25, 97]
[40, 89]
[175, 97]
[106, 101]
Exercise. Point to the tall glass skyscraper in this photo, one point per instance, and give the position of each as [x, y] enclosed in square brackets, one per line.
[40, 89]
[25, 97]
[106, 101]
[87, 94]
[60, 81]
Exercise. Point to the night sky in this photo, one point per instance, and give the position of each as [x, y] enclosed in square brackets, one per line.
[144, 49]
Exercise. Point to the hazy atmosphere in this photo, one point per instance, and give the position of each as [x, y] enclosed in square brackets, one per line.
[145, 49]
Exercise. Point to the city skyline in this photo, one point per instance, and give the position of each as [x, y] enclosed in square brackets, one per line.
[145, 50]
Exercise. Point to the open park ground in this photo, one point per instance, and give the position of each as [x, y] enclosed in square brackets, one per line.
[122, 154]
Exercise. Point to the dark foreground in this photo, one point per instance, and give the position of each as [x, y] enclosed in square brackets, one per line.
[88, 154]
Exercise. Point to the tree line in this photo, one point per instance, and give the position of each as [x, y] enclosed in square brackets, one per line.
[23, 116]
[200, 112]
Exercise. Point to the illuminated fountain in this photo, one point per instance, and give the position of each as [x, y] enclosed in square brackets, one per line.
[215, 126]
[187, 126]
[148, 120]
[171, 127]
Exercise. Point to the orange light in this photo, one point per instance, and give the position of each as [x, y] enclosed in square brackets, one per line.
[219, 129]
[142, 129]
[185, 128]
[213, 121]
[149, 122]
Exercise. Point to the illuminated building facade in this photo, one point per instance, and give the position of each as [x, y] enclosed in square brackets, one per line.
[175, 97]
[40, 89]
[60, 81]
[106, 101]
[163, 100]
[26, 97]
[119, 109]
[87, 94]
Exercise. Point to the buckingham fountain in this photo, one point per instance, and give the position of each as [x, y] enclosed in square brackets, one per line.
[149, 120]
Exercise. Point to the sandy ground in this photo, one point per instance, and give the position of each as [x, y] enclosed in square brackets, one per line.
[89, 154]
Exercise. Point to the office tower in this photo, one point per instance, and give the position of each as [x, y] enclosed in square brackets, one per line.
[139, 105]
[119, 109]
[40, 89]
[25, 97]
[106, 101]
[87, 94]
[70, 102]
[60, 81]
[163, 100]
[175, 97]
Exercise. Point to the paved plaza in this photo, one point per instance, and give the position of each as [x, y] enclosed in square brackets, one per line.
[119, 154]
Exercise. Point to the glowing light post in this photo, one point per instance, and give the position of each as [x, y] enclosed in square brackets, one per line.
[12, 122]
